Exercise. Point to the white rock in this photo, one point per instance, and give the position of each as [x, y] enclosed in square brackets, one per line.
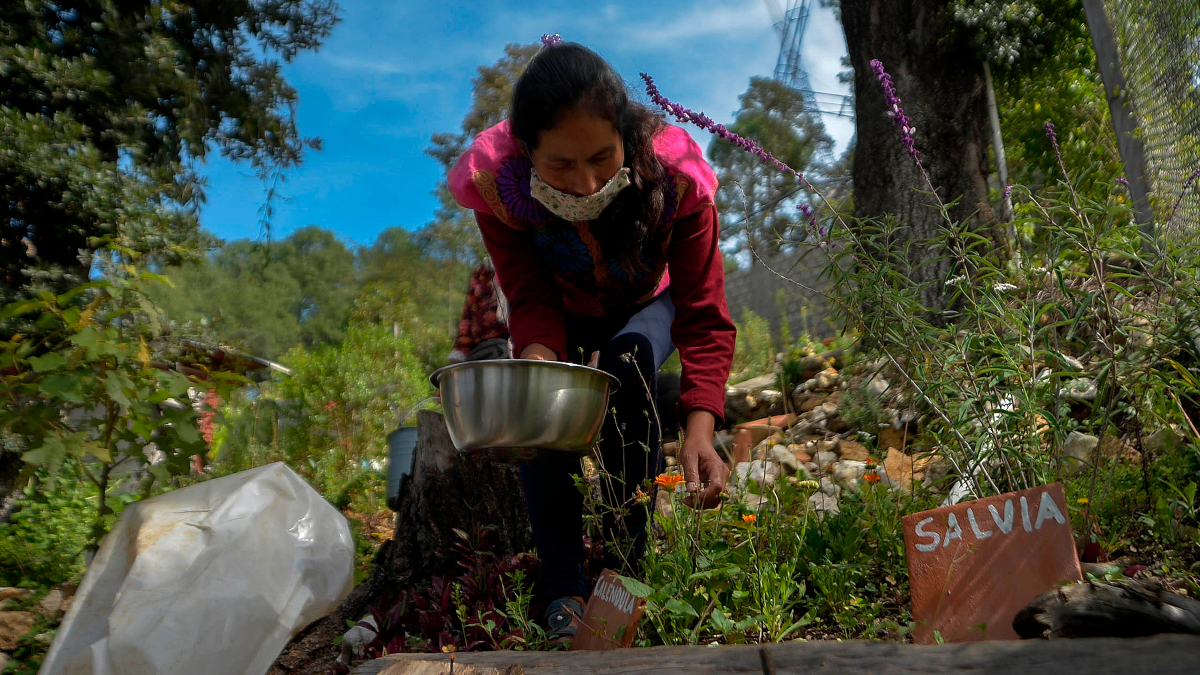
[878, 386]
[848, 471]
[1079, 447]
[829, 487]
[786, 460]
[761, 472]
[770, 397]
[825, 459]
[1083, 389]
[51, 604]
[823, 503]
[355, 640]
[1164, 440]
[755, 502]
[1072, 363]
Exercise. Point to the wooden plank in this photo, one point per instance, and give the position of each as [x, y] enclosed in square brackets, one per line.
[1161, 655]
[1124, 123]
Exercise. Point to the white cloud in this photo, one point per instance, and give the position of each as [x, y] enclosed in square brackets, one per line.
[730, 20]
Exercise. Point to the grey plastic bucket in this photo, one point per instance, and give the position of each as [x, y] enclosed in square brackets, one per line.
[402, 445]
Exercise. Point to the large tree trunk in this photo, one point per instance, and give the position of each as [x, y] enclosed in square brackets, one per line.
[446, 491]
[940, 83]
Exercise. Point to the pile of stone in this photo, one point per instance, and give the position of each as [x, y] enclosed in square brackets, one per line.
[816, 443]
[15, 624]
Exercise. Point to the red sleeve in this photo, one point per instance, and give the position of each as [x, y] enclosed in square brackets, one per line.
[534, 298]
[702, 331]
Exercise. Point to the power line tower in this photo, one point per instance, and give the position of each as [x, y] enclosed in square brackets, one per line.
[790, 23]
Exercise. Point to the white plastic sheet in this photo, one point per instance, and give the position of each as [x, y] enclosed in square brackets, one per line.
[212, 578]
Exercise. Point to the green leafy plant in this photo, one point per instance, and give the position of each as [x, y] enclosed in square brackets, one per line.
[90, 385]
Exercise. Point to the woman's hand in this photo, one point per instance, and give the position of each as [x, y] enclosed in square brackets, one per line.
[537, 352]
[703, 469]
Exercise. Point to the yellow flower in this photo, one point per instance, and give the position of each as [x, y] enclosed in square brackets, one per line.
[749, 518]
[1082, 500]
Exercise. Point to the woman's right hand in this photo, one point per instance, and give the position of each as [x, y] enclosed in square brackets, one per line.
[537, 352]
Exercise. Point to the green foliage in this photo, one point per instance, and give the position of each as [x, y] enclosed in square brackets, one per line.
[1017, 35]
[735, 574]
[401, 285]
[91, 387]
[266, 297]
[43, 544]
[758, 201]
[754, 352]
[332, 414]
[104, 108]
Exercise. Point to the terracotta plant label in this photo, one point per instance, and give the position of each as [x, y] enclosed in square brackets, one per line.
[611, 617]
[974, 565]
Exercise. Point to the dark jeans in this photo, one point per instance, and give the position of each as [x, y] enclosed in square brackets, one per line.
[632, 348]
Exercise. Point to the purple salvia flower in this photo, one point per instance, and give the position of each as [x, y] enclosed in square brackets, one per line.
[549, 40]
[1050, 133]
[1121, 180]
[810, 214]
[1007, 192]
[814, 230]
[719, 130]
[1186, 184]
[895, 111]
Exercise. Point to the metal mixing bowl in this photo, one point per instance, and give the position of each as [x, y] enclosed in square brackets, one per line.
[513, 408]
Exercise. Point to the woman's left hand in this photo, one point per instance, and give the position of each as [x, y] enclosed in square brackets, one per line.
[704, 471]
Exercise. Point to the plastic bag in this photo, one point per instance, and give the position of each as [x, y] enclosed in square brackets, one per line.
[213, 578]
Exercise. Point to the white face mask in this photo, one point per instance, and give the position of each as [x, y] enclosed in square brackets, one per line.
[577, 209]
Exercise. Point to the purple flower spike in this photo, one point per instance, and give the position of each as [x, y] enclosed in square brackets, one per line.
[1007, 192]
[549, 40]
[813, 230]
[1121, 180]
[719, 130]
[1049, 127]
[895, 111]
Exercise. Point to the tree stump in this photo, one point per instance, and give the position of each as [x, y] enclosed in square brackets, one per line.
[1108, 609]
[446, 491]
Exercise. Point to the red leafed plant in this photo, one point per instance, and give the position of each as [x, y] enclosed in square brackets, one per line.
[486, 607]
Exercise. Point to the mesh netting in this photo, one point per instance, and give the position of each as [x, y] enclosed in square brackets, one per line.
[1158, 42]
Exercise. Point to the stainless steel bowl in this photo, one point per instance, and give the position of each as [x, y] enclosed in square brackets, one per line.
[511, 409]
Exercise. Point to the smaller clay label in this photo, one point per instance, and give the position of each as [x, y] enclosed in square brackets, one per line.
[611, 617]
[972, 566]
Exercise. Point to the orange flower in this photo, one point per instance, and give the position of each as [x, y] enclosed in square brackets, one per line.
[872, 478]
[668, 480]
[749, 518]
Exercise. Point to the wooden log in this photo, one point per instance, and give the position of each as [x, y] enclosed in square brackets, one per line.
[1104, 609]
[1162, 655]
[446, 491]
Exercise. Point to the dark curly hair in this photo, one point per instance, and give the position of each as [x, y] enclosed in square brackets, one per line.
[569, 77]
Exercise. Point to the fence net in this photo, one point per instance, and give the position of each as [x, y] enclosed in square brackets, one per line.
[1158, 43]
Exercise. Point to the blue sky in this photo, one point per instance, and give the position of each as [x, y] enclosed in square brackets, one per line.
[394, 72]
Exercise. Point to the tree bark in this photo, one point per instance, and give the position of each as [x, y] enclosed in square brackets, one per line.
[1118, 609]
[446, 491]
[940, 83]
